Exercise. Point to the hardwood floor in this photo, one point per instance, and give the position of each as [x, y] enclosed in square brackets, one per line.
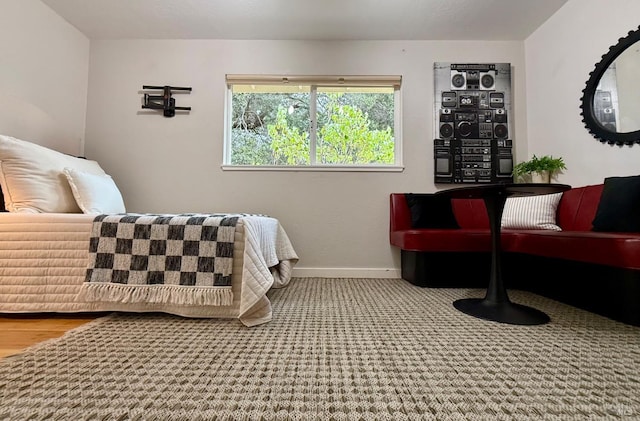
[20, 331]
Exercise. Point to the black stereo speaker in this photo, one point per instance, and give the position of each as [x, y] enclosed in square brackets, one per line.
[446, 124]
[488, 80]
[458, 80]
[446, 130]
[500, 130]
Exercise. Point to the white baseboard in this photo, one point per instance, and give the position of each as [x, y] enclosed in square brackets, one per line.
[346, 273]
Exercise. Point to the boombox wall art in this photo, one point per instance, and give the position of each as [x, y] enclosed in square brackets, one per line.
[473, 142]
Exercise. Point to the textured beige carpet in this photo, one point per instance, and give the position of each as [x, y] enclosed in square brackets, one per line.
[336, 350]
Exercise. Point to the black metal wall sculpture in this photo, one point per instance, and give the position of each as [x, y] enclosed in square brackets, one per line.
[605, 111]
[163, 102]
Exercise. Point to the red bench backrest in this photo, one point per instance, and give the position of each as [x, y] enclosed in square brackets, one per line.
[470, 213]
[576, 210]
[578, 207]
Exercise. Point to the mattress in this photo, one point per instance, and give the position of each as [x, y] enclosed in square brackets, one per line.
[43, 262]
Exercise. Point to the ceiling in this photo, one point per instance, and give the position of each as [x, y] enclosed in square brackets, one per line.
[307, 19]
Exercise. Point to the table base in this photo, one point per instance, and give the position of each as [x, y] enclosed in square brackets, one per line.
[505, 312]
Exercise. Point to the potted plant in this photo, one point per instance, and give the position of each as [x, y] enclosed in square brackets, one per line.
[538, 169]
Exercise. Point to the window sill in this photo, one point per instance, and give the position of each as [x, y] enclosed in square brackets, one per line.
[328, 168]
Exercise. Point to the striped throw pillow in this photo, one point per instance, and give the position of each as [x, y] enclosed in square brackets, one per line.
[531, 212]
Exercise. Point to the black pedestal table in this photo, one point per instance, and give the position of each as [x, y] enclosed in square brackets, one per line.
[496, 305]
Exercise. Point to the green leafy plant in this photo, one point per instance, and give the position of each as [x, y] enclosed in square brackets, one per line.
[345, 137]
[539, 165]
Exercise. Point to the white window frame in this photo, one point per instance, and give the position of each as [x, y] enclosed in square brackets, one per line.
[315, 82]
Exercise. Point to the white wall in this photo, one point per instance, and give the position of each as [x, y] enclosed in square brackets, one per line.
[338, 221]
[44, 65]
[559, 57]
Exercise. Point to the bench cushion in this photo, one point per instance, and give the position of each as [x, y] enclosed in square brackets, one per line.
[610, 249]
[577, 208]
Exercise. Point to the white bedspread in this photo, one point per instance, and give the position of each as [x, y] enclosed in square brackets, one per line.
[43, 259]
[268, 262]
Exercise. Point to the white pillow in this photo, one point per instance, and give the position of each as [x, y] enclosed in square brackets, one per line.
[531, 212]
[95, 194]
[32, 179]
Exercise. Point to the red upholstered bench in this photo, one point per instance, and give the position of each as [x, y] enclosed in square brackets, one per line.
[598, 271]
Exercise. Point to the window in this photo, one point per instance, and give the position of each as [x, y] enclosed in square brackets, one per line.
[313, 122]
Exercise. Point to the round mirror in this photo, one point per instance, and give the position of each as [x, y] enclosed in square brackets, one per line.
[611, 99]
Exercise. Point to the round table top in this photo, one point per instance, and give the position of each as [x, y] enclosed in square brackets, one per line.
[512, 189]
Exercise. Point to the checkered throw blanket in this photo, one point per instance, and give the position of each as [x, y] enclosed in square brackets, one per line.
[184, 259]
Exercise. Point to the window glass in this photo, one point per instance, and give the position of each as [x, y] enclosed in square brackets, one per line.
[267, 123]
[310, 125]
[355, 126]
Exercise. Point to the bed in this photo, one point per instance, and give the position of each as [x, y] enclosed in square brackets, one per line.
[45, 251]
